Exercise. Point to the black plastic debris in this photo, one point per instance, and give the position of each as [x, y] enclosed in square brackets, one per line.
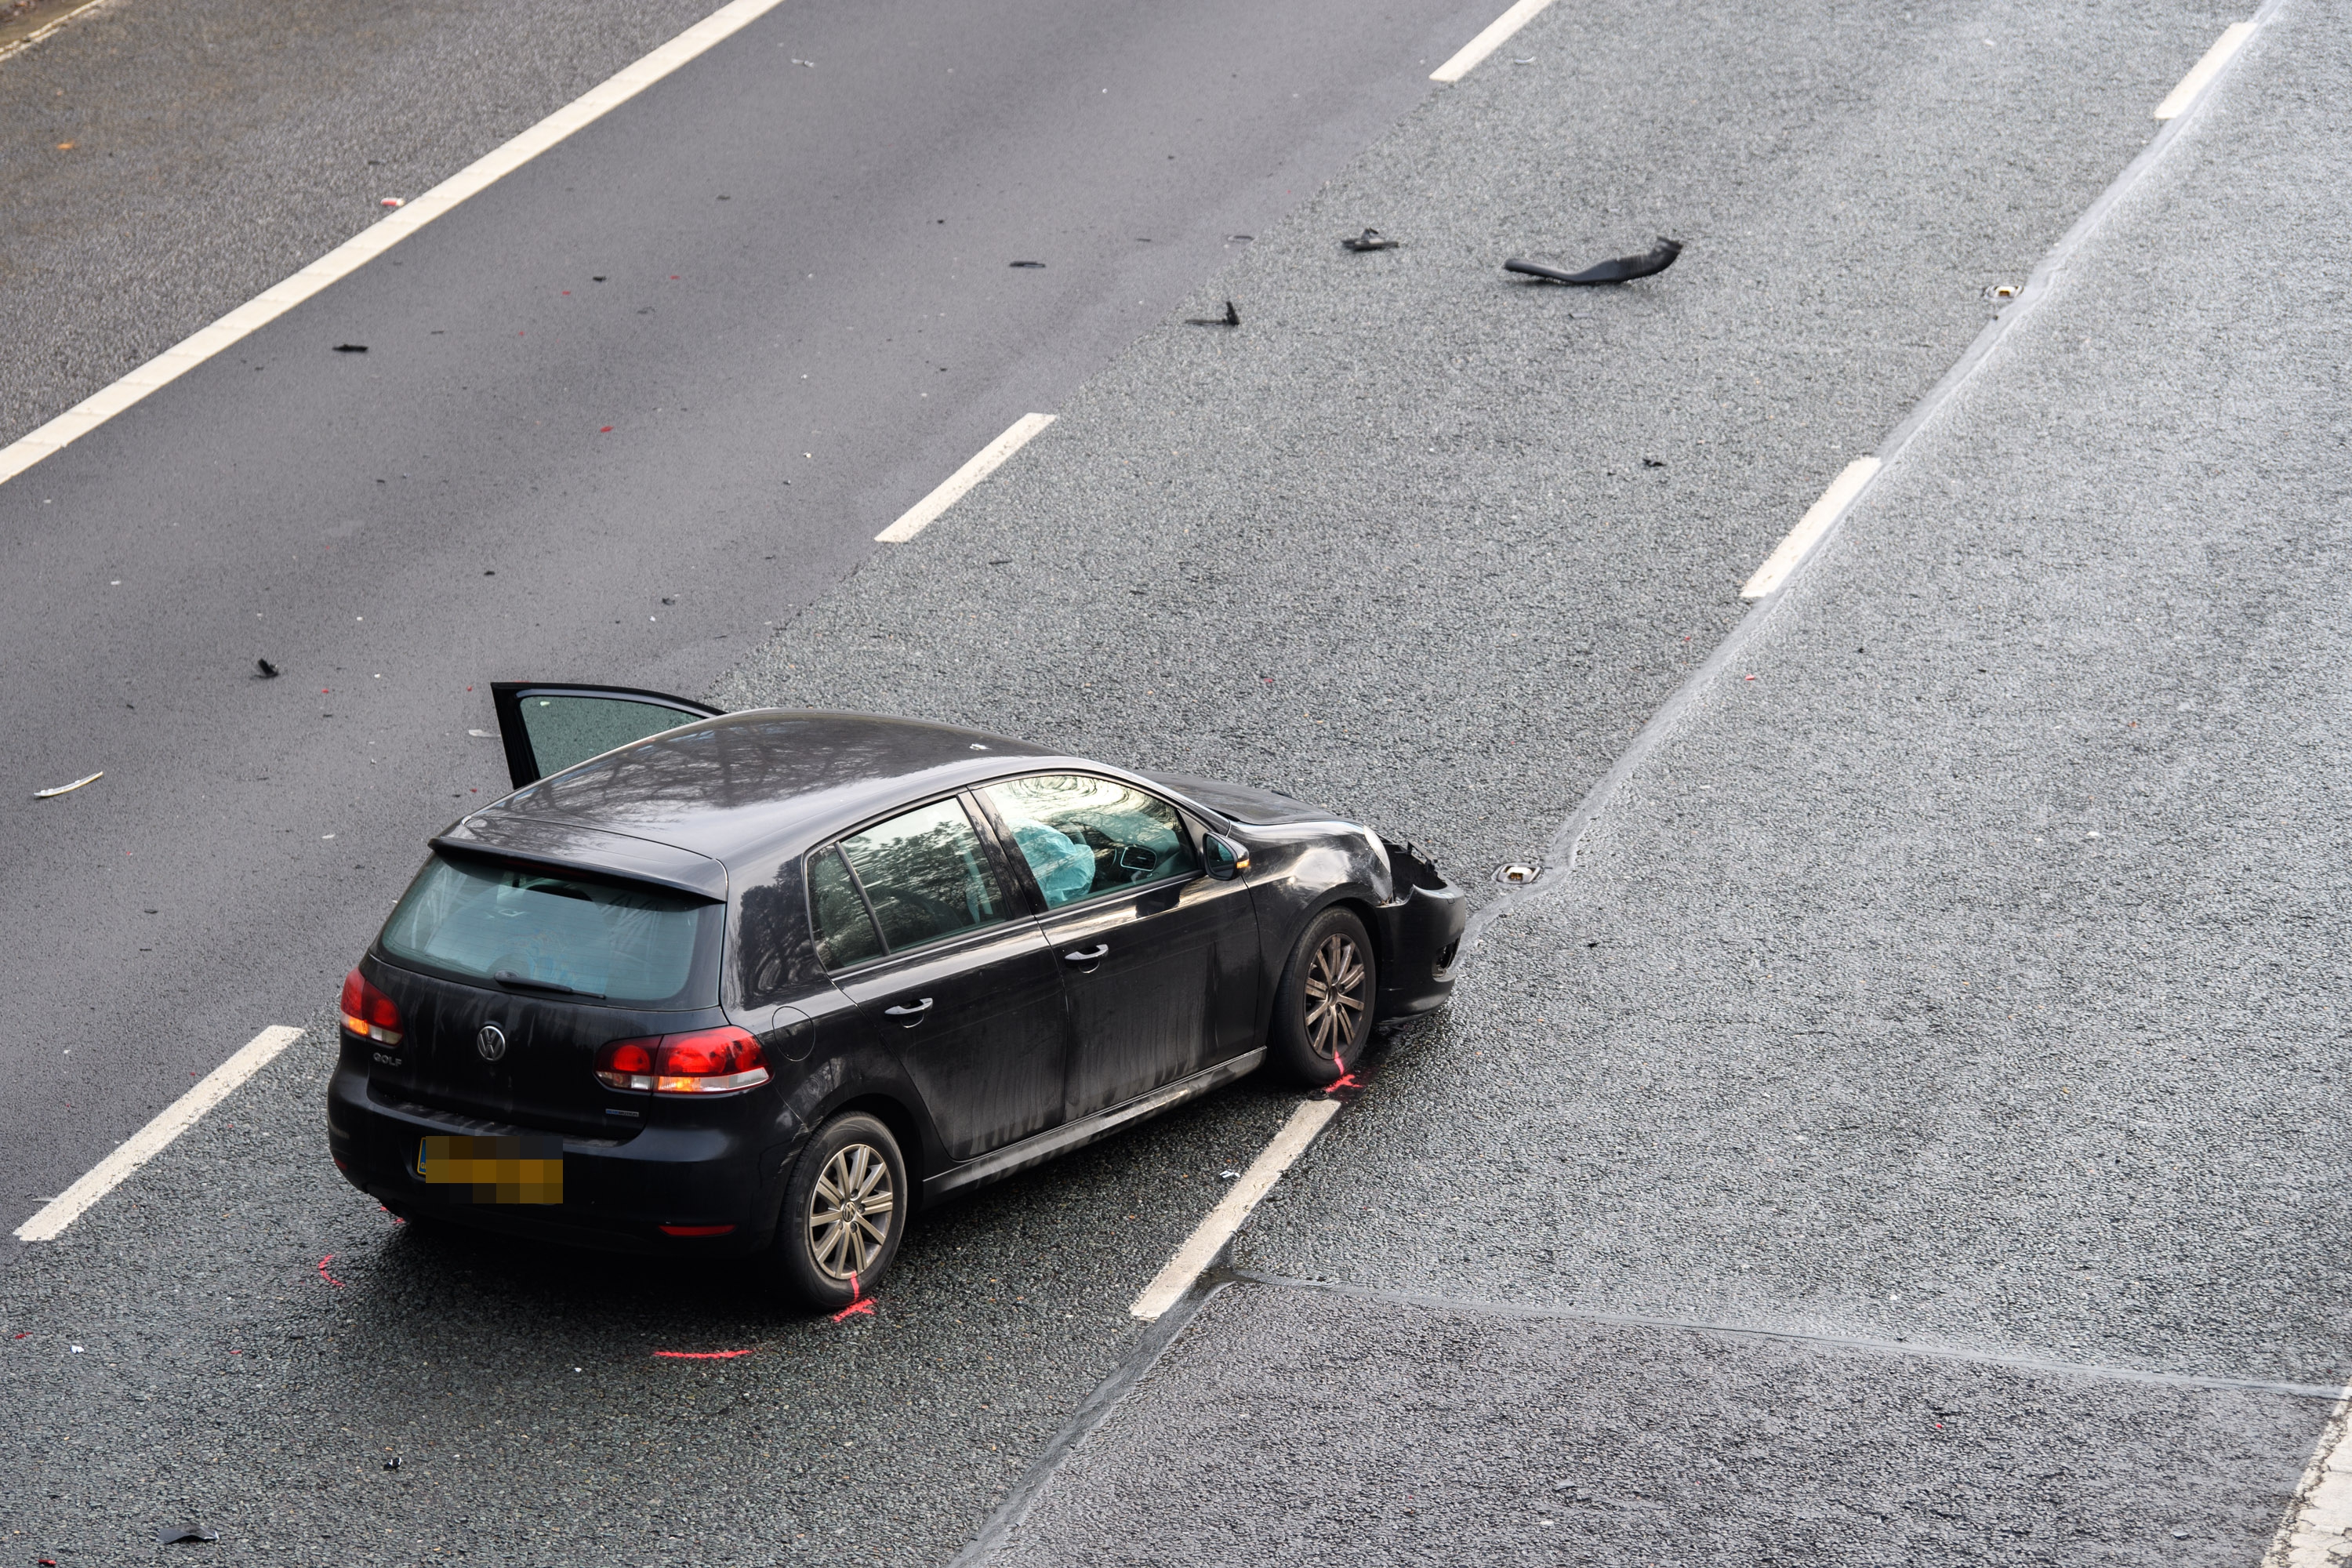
[268, 670]
[1036, 264]
[1623, 270]
[1231, 318]
[393, 1463]
[1371, 239]
[182, 1535]
[1653, 462]
[351, 348]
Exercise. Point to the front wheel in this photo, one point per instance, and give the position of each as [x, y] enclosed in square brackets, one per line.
[844, 1211]
[1323, 1010]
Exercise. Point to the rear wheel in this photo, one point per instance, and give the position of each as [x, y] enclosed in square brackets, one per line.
[1323, 1010]
[844, 1211]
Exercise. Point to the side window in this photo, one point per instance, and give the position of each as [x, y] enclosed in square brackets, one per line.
[1085, 835]
[926, 875]
[844, 931]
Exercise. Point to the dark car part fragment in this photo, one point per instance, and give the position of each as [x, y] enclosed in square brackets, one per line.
[1371, 239]
[1231, 318]
[1623, 270]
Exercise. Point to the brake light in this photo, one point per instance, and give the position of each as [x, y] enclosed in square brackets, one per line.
[707, 1061]
[368, 1012]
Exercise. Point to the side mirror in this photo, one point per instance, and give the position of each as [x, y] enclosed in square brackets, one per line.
[1225, 859]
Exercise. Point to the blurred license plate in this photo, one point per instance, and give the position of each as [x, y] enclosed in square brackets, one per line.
[507, 1170]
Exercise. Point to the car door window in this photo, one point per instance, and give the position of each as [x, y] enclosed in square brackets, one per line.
[547, 728]
[845, 928]
[926, 876]
[1083, 835]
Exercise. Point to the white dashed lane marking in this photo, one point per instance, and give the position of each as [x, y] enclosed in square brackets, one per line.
[984, 462]
[156, 1136]
[1811, 527]
[1466, 60]
[2205, 70]
[1199, 1249]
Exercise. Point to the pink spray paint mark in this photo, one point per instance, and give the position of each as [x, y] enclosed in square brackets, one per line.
[324, 1275]
[1346, 1079]
[859, 1300]
[701, 1355]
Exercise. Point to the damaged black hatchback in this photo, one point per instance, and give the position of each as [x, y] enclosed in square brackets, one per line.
[765, 982]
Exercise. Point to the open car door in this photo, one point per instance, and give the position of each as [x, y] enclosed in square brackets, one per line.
[548, 728]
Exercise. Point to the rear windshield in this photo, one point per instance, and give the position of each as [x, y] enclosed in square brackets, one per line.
[536, 929]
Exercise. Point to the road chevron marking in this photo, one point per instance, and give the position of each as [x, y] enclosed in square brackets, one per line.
[152, 1140]
[1209, 1238]
[379, 237]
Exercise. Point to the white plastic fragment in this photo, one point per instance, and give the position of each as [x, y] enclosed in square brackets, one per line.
[66, 789]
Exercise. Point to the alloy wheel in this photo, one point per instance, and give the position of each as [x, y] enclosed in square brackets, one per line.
[1335, 994]
[849, 1212]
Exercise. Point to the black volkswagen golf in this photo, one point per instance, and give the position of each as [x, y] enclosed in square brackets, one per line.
[763, 983]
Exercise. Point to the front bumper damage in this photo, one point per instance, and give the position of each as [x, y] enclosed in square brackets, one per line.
[1420, 934]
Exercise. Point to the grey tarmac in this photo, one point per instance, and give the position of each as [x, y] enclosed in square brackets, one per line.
[1391, 545]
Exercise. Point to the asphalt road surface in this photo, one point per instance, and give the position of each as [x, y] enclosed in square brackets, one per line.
[666, 383]
[1856, 1159]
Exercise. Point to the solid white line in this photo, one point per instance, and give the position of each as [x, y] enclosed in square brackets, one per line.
[152, 1138]
[379, 236]
[1811, 527]
[2315, 1534]
[1168, 1287]
[926, 511]
[1487, 42]
[2204, 70]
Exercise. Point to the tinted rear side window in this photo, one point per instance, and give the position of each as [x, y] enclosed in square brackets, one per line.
[926, 875]
[845, 932]
[620, 941]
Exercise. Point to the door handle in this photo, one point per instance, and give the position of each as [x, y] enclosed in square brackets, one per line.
[1092, 955]
[913, 1014]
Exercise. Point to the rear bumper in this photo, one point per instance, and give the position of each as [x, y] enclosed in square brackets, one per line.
[1421, 937]
[618, 1193]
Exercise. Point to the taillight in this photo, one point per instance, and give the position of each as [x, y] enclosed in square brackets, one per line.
[707, 1061]
[368, 1012]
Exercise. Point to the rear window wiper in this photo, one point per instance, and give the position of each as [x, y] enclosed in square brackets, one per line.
[509, 977]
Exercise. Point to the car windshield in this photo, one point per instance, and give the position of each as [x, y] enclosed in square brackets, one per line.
[543, 930]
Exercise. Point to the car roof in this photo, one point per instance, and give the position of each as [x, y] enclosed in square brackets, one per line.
[736, 789]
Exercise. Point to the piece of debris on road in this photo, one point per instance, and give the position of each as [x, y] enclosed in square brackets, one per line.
[1623, 270]
[66, 789]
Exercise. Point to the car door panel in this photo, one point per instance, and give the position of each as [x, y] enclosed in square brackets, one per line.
[1168, 995]
[946, 970]
[982, 1033]
[546, 728]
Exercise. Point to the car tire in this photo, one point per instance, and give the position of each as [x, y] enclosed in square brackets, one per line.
[831, 1241]
[1323, 1009]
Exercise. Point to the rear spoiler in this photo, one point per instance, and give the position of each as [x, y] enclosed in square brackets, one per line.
[587, 851]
